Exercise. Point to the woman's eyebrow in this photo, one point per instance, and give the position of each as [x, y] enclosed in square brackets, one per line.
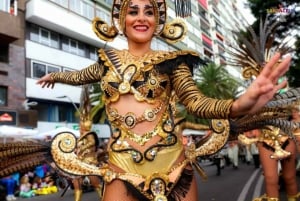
[148, 7]
[134, 7]
[137, 7]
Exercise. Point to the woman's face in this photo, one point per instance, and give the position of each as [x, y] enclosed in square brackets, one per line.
[140, 21]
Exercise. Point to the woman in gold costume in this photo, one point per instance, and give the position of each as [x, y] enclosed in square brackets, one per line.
[147, 160]
[276, 147]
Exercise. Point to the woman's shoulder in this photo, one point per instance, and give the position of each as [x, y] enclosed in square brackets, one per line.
[164, 59]
[155, 53]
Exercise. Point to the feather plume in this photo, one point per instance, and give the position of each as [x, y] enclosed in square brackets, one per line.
[276, 113]
[22, 156]
[254, 50]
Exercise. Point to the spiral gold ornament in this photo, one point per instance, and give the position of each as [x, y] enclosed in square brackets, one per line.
[219, 125]
[103, 30]
[67, 142]
[64, 157]
[174, 31]
[216, 141]
[249, 72]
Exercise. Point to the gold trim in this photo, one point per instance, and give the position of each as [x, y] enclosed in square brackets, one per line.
[129, 120]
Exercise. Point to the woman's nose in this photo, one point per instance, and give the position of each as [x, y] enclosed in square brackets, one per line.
[141, 17]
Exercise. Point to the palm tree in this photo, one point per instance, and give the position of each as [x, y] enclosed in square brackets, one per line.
[216, 82]
[98, 113]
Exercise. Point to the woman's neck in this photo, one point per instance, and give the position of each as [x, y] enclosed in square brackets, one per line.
[139, 49]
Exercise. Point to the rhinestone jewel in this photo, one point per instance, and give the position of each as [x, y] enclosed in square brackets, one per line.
[67, 141]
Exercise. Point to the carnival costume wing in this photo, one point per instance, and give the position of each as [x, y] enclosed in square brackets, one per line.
[63, 150]
[22, 156]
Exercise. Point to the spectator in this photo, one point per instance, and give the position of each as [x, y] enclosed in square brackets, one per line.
[9, 183]
[255, 154]
[25, 187]
[41, 170]
[233, 153]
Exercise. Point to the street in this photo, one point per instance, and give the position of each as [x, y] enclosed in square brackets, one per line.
[242, 184]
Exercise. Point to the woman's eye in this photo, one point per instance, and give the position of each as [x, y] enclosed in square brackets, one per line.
[132, 12]
[149, 13]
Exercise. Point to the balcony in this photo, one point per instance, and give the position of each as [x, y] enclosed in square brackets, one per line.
[62, 20]
[10, 27]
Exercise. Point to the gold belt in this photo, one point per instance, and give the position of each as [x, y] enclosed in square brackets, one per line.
[130, 119]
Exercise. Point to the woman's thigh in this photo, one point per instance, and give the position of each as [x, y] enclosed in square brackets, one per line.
[192, 194]
[117, 189]
[269, 165]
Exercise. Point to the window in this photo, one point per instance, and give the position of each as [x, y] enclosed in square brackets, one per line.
[63, 3]
[8, 6]
[103, 15]
[3, 96]
[87, 10]
[66, 113]
[43, 110]
[39, 69]
[52, 69]
[73, 46]
[75, 6]
[94, 53]
[34, 33]
[4, 49]
[44, 36]
[67, 70]
[56, 113]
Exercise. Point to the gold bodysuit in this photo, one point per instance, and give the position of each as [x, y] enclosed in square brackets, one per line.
[151, 78]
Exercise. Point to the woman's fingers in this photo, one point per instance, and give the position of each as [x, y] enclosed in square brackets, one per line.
[280, 69]
[276, 68]
[267, 69]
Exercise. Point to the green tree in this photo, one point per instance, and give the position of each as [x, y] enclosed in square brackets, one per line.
[98, 112]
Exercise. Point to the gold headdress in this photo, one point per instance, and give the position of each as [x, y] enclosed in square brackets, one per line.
[172, 32]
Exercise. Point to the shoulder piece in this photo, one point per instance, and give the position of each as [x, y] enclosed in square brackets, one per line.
[166, 61]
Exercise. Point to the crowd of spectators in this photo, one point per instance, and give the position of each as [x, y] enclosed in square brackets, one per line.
[37, 182]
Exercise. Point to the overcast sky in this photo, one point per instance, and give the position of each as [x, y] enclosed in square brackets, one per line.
[245, 11]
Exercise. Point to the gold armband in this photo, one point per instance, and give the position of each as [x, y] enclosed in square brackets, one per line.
[87, 75]
[194, 101]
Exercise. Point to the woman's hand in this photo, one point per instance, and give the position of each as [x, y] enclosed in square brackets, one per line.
[46, 81]
[264, 87]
